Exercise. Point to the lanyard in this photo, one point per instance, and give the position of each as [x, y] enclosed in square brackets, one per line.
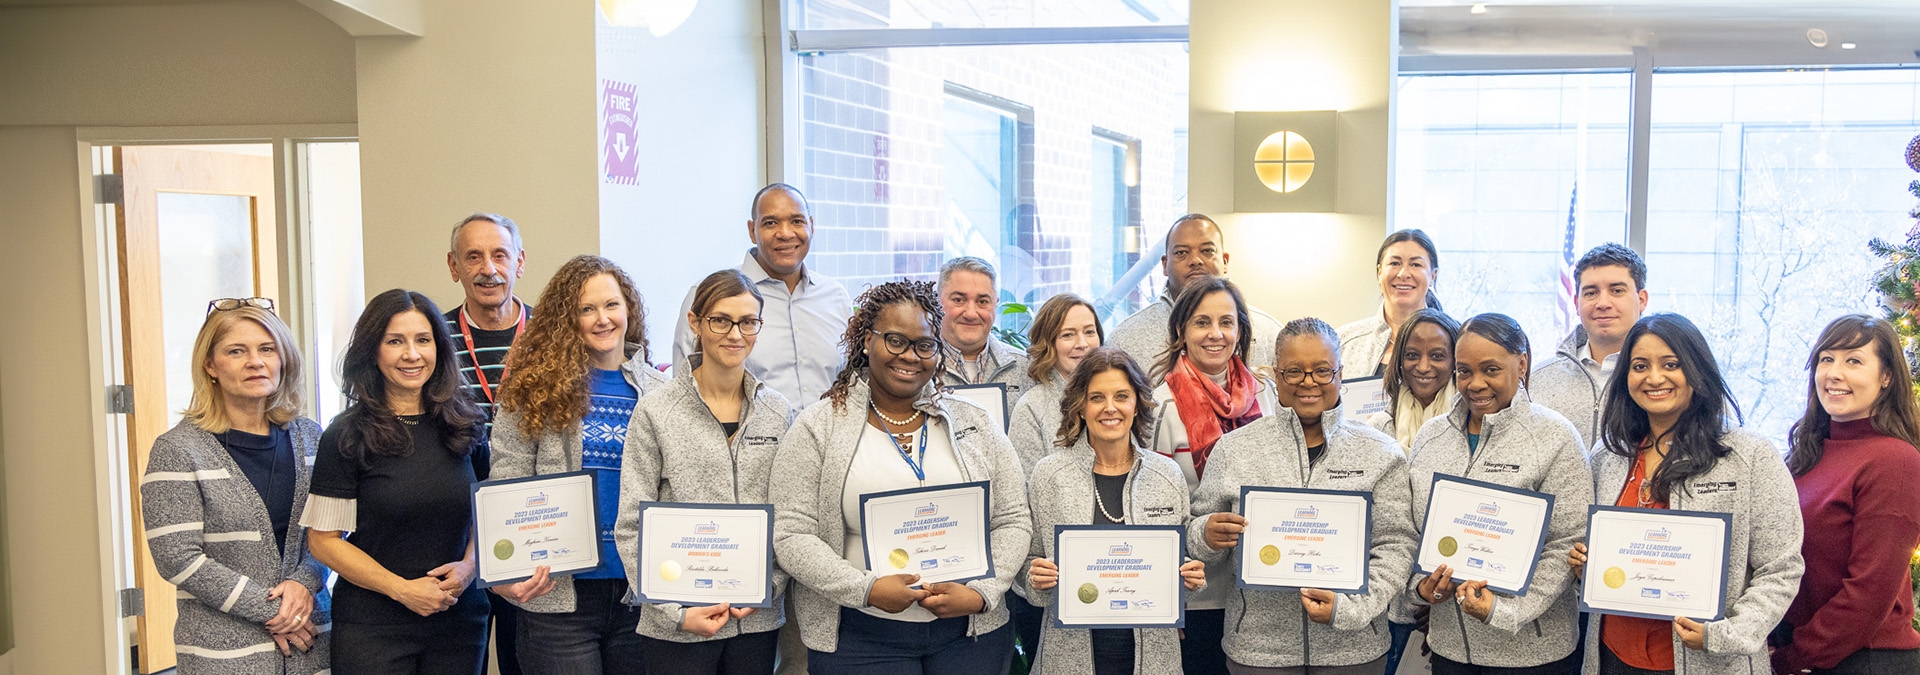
[919, 467]
[466, 333]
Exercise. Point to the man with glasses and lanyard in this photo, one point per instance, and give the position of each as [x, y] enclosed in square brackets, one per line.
[486, 258]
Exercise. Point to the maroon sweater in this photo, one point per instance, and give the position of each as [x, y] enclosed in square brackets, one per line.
[1861, 507]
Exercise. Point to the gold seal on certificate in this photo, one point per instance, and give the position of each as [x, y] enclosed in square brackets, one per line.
[1484, 532]
[939, 533]
[1656, 563]
[706, 554]
[528, 522]
[1305, 539]
[1125, 576]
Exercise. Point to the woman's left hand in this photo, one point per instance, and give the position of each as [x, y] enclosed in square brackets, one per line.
[296, 605]
[454, 576]
[1693, 634]
[947, 600]
[1476, 600]
[1193, 573]
[1319, 604]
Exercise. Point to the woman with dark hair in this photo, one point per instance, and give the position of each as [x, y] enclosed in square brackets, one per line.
[1858, 477]
[578, 371]
[885, 426]
[1206, 391]
[1064, 331]
[1407, 264]
[395, 470]
[1307, 442]
[1103, 475]
[1419, 378]
[1495, 434]
[219, 494]
[1669, 439]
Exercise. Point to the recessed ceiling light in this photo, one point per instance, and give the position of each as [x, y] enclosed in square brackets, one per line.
[1847, 45]
[1479, 8]
[1817, 37]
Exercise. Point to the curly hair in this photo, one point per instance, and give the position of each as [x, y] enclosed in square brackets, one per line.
[547, 381]
[368, 426]
[867, 310]
[1073, 403]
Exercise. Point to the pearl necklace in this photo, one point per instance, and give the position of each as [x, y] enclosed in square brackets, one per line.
[898, 423]
[1102, 504]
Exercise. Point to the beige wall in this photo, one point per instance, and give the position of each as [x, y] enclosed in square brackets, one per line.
[1273, 55]
[60, 68]
[493, 110]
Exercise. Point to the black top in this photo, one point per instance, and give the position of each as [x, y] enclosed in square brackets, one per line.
[414, 514]
[729, 427]
[1315, 451]
[1112, 490]
[267, 462]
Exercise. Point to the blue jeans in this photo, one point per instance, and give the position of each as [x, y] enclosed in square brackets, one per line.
[596, 638]
[1401, 633]
[870, 645]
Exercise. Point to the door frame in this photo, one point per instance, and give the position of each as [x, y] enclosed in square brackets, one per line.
[100, 279]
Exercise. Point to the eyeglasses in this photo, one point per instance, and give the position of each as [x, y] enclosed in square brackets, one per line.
[897, 344]
[227, 304]
[720, 325]
[1322, 375]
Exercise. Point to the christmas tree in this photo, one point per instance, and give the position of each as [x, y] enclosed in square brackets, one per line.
[1898, 281]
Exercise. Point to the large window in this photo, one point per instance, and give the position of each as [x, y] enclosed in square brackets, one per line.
[842, 14]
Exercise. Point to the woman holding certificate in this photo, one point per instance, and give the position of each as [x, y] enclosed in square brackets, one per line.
[1668, 442]
[706, 437]
[1103, 475]
[1495, 436]
[886, 464]
[1064, 331]
[576, 376]
[1407, 265]
[1307, 603]
[394, 469]
[1858, 478]
[1206, 391]
[219, 493]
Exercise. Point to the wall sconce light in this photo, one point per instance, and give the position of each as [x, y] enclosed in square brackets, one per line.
[1285, 161]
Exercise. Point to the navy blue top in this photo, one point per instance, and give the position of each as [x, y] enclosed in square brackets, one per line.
[267, 462]
[603, 443]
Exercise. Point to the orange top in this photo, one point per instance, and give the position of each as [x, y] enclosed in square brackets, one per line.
[1646, 644]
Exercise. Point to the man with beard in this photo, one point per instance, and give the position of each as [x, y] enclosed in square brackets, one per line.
[1196, 249]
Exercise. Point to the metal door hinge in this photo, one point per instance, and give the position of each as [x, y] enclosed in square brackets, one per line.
[132, 603]
[109, 188]
[119, 399]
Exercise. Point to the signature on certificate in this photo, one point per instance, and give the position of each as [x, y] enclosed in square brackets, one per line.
[1121, 589]
[931, 549]
[1303, 553]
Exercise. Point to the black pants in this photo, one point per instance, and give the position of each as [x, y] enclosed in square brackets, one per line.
[1863, 662]
[870, 645]
[443, 647]
[1610, 664]
[1026, 620]
[745, 654]
[1112, 651]
[1200, 650]
[505, 629]
[1570, 665]
[596, 638]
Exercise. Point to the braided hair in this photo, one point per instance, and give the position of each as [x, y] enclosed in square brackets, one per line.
[866, 311]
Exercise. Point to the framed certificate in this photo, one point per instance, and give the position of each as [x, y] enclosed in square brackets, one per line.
[1656, 563]
[939, 533]
[706, 554]
[992, 396]
[523, 523]
[1485, 532]
[1365, 396]
[1305, 539]
[1119, 576]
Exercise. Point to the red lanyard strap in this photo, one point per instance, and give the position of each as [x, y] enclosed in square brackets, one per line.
[466, 333]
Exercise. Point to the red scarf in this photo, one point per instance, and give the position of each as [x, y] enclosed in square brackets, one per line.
[1208, 411]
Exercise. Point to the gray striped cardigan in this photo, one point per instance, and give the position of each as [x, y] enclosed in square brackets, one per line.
[210, 535]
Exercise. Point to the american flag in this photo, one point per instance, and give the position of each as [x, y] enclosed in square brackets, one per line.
[1569, 286]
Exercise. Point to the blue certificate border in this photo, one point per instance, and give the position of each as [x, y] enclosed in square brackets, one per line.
[1179, 535]
[1539, 545]
[1719, 588]
[986, 520]
[473, 503]
[1366, 561]
[641, 537]
[1006, 406]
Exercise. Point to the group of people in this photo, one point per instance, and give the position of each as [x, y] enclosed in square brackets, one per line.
[786, 391]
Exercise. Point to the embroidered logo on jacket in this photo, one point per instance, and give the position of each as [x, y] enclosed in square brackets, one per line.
[763, 440]
[1338, 474]
[1493, 467]
[963, 433]
[1717, 487]
[1155, 511]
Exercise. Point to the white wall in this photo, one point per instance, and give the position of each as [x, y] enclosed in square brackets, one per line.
[698, 122]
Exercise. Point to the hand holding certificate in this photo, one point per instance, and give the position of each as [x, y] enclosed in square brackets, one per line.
[1656, 563]
[939, 533]
[706, 554]
[1305, 539]
[524, 523]
[1484, 532]
[1119, 576]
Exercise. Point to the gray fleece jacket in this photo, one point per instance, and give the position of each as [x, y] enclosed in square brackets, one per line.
[1529, 447]
[211, 536]
[809, 528]
[1009, 368]
[1564, 385]
[1268, 628]
[1062, 493]
[676, 452]
[516, 455]
[1035, 423]
[1764, 563]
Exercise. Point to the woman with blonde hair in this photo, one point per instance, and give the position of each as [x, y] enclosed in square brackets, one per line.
[578, 372]
[220, 496]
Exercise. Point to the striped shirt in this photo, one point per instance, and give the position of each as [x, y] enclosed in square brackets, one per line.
[487, 352]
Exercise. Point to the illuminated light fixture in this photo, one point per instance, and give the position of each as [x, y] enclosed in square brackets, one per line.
[659, 17]
[1848, 45]
[1479, 8]
[1817, 37]
[1285, 162]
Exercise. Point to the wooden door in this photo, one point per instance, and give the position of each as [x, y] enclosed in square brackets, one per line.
[194, 225]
